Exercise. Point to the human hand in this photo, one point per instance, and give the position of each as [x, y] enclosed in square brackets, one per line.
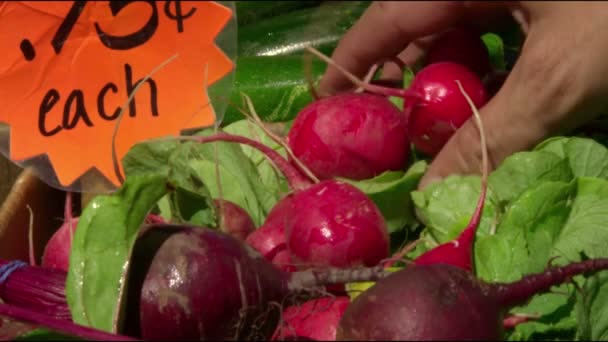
[557, 84]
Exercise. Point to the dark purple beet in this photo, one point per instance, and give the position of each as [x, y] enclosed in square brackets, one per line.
[204, 284]
[445, 302]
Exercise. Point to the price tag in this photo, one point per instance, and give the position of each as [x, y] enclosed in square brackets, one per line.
[67, 67]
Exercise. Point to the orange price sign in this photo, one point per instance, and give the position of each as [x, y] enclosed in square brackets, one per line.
[69, 66]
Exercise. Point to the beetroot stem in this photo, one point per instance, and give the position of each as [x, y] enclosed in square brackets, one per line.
[310, 278]
[519, 292]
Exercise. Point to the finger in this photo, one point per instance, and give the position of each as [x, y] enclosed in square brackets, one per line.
[412, 55]
[384, 30]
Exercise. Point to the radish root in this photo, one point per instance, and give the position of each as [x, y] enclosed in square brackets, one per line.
[279, 141]
[308, 77]
[32, 254]
[386, 91]
[115, 161]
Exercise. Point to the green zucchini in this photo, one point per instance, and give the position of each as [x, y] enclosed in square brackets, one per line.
[320, 27]
[276, 85]
[251, 12]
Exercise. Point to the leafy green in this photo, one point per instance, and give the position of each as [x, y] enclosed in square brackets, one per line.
[101, 249]
[149, 157]
[524, 170]
[553, 209]
[273, 180]
[446, 207]
[495, 48]
[239, 178]
[591, 310]
[390, 191]
[586, 157]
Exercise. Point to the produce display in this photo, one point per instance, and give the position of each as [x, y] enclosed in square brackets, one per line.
[300, 217]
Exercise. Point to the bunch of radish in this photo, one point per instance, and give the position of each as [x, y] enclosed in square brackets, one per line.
[240, 282]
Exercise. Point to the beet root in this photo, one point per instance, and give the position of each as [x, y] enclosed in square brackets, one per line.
[445, 302]
[204, 284]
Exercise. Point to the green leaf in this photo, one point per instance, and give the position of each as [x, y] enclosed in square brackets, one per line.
[101, 248]
[525, 236]
[586, 157]
[149, 157]
[557, 320]
[586, 229]
[554, 219]
[275, 184]
[446, 207]
[391, 191]
[495, 48]
[591, 310]
[239, 177]
[45, 335]
[191, 202]
[524, 170]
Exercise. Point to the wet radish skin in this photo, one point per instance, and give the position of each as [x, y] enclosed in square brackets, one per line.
[314, 320]
[332, 223]
[355, 136]
[433, 119]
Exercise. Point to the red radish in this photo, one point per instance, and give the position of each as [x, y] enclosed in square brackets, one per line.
[269, 239]
[282, 260]
[57, 250]
[463, 46]
[355, 136]
[434, 118]
[314, 320]
[459, 252]
[445, 302]
[330, 223]
[234, 220]
[434, 109]
[335, 224]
